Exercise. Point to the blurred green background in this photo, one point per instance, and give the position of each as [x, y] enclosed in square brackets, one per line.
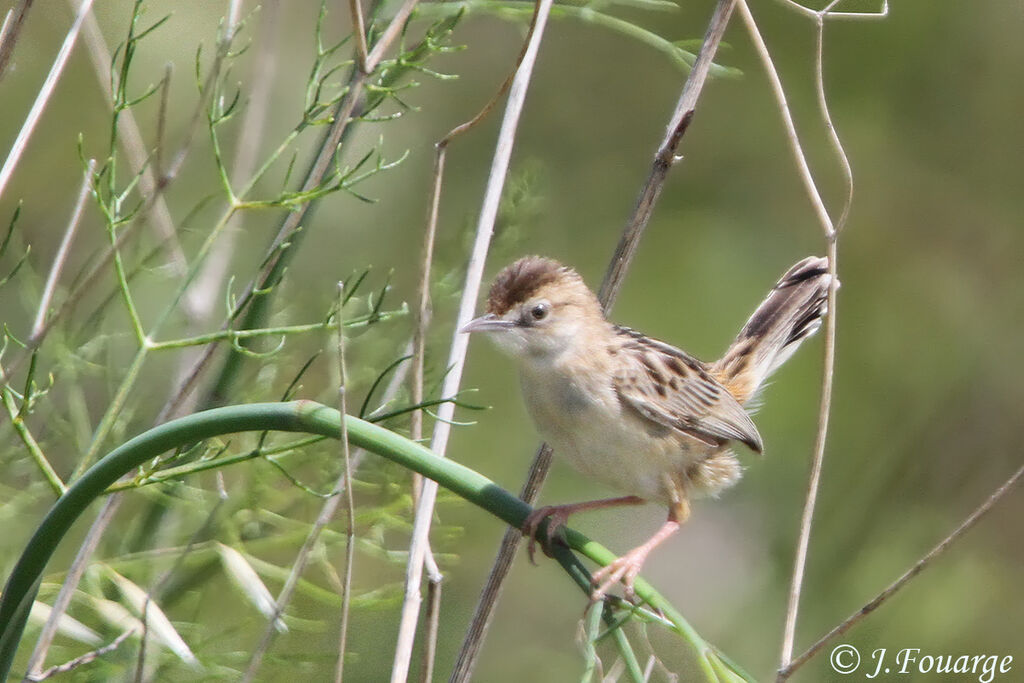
[928, 387]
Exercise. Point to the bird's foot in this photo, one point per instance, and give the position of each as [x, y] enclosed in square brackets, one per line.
[622, 570]
[557, 516]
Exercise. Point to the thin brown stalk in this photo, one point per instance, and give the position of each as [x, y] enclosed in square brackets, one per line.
[43, 97]
[79, 661]
[60, 258]
[826, 116]
[10, 31]
[359, 29]
[459, 343]
[71, 580]
[423, 315]
[817, 459]
[803, 169]
[140, 657]
[896, 585]
[433, 623]
[666, 155]
[664, 159]
[390, 33]
[423, 311]
[825, 404]
[350, 531]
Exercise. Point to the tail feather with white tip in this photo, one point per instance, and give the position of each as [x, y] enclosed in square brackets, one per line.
[791, 313]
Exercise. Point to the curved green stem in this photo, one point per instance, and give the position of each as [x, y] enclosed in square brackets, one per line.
[296, 416]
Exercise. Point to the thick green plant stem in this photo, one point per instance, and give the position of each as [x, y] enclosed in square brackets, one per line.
[296, 416]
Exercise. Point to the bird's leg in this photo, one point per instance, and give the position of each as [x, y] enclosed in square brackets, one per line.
[558, 515]
[627, 567]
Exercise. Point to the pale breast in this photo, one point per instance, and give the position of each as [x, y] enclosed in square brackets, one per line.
[587, 425]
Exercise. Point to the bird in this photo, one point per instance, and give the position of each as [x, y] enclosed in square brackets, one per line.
[639, 415]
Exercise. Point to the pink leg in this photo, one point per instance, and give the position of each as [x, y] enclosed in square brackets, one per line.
[558, 515]
[627, 567]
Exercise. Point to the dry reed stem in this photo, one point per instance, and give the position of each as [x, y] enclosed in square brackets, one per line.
[71, 580]
[43, 97]
[83, 659]
[830, 231]
[10, 31]
[459, 344]
[433, 619]
[60, 258]
[359, 29]
[390, 33]
[423, 314]
[350, 531]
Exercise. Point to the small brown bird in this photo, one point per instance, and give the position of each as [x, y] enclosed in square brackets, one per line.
[639, 415]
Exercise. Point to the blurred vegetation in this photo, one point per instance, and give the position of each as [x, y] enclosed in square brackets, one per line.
[930, 315]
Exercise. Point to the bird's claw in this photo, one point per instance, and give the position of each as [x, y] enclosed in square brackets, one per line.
[622, 570]
[557, 517]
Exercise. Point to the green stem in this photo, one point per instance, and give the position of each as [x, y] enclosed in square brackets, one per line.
[283, 331]
[297, 416]
[522, 10]
[113, 411]
[122, 281]
[171, 473]
[18, 422]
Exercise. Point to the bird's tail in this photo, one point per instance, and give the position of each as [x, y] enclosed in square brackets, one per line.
[791, 313]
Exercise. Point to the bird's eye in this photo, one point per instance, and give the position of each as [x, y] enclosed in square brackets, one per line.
[539, 312]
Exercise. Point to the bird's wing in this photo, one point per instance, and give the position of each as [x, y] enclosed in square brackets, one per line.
[671, 388]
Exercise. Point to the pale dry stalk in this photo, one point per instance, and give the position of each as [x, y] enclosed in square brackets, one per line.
[350, 531]
[43, 97]
[459, 343]
[423, 315]
[830, 232]
[60, 258]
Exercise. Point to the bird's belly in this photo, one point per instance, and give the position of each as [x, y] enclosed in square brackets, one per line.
[589, 429]
[637, 466]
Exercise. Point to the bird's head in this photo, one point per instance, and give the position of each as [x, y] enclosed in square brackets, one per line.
[537, 309]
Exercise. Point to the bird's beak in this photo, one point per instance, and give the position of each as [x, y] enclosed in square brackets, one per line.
[487, 323]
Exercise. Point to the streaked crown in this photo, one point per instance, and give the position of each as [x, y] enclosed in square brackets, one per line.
[534, 276]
